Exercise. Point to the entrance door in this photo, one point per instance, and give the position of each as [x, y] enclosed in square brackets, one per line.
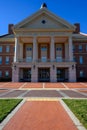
[44, 74]
[27, 75]
[60, 75]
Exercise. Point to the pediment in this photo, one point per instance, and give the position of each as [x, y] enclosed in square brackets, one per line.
[44, 19]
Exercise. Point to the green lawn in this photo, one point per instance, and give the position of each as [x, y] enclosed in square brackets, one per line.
[6, 106]
[79, 108]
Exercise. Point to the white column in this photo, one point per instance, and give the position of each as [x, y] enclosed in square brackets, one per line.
[34, 49]
[70, 49]
[16, 50]
[52, 52]
[21, 51]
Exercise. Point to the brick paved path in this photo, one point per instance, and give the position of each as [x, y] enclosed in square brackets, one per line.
[41, 116]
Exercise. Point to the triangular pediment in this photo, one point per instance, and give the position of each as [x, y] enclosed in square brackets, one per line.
[44, 19]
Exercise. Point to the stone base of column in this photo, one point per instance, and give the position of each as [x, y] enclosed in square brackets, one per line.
[15, 75]
[72, 74]
[53, 77]
[34, 75]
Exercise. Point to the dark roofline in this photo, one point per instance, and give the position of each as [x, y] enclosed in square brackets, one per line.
[4, 35]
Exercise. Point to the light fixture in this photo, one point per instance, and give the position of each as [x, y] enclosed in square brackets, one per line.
[34, 67]
[15, 67]
[72, 67]
[53, 67]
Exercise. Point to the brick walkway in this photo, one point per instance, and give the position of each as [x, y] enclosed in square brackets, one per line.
[43, 115]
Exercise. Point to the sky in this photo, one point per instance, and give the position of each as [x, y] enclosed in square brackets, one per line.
[14, 11]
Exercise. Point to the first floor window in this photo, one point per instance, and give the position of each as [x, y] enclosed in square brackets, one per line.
[0, 73]
[0, 59]
[7, 60]
[6, 73]
[81, 73]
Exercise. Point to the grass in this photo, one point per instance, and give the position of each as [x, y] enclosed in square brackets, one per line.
[6, 106]
[79, 108]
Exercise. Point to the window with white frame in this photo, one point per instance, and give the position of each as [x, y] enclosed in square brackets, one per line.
[80, 47]
[0, 59]
[0, 48]
[6, 73]
[81, 59]
[81, 73]
[7, 60]
[0, 73]
[7, 48]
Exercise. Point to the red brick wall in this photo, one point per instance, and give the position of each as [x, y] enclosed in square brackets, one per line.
[77, 54]
[7, 67]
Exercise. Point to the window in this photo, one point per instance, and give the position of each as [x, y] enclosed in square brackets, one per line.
[80, 47]
[0, 59]
[7, 60]
[74, 58]
[0, 48]
[86, 47]
[81, 73]
[59, 59]
[29, 48]
[73, 48]
[43, 59]
[28, 59]
[0, 73]
[43, 48]
[7, 48]
[6, 73]
[81, 60]
[58, 48]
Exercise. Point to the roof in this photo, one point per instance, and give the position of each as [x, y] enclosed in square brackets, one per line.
[7, 36]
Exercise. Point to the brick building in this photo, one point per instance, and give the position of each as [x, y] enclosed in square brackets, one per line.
[43, 47]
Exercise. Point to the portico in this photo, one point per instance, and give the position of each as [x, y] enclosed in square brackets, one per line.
[43, 49]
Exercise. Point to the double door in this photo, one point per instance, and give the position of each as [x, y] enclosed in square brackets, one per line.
[44, 74]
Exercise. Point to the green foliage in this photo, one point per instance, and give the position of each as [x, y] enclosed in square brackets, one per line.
[6, 106]
[79, 108]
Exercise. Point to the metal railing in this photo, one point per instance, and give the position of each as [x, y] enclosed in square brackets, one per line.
[44, 61]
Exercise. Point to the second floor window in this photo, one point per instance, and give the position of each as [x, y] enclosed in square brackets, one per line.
[7, 60]
[80, 48]
[7, 48]
[81, 59]
[43, 48]
[0, 59]
[0, 48]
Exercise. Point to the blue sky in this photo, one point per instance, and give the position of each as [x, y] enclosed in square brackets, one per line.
[73, 11]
